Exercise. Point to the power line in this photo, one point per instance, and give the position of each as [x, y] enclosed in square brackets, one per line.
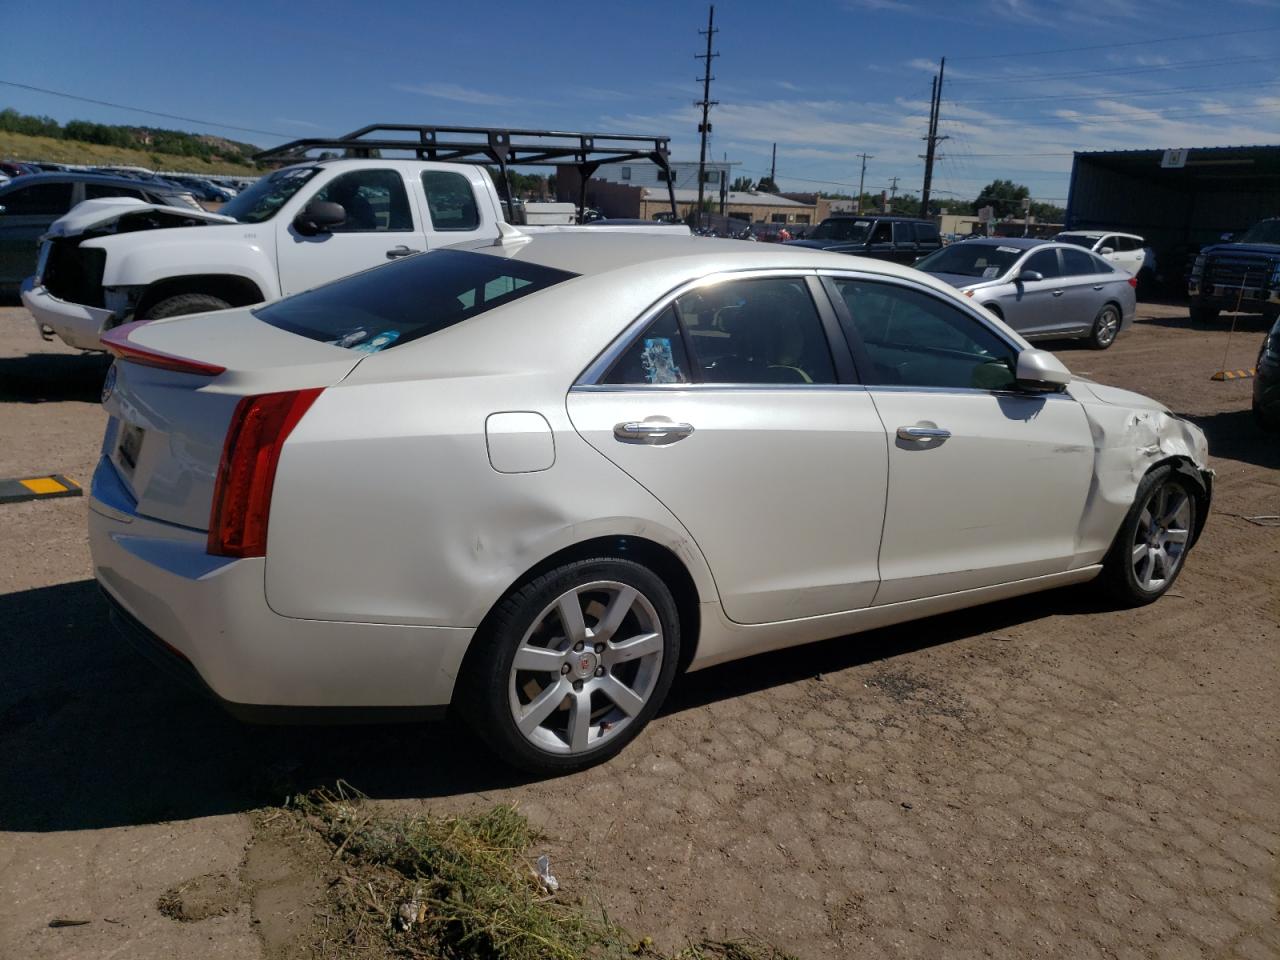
[1040, 78]
[152, 113]
[1253, 84]
[1112, 46]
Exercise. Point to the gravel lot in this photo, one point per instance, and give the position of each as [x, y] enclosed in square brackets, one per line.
[1041, 777]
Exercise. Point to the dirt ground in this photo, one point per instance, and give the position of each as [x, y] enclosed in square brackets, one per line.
[1043, 777]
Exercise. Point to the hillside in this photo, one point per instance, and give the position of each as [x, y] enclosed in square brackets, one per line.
[21, 146]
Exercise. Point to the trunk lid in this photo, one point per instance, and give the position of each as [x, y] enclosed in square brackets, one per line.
[167, 427]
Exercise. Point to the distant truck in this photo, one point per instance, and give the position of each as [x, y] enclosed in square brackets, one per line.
[112, 261]
[896, 239]
[1241, 275]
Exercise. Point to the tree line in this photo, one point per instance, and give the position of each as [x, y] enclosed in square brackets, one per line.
[153, 139]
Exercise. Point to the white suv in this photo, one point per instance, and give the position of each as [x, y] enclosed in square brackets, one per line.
[1127, 251]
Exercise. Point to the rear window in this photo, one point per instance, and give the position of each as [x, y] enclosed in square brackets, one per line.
[411, 298]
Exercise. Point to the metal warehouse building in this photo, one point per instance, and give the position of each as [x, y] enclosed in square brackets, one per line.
[1179, 200]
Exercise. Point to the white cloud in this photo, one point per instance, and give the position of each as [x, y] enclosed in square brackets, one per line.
[299, 123]
[456, 93]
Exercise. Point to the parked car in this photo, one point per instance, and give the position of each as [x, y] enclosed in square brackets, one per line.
[1239, 275]
[1127, 251]
[301, 226]
[897, 239]
[205, 189]
[30, 204]
[17, 168]
[1041, 289]
[1266, 382]
[601, 460]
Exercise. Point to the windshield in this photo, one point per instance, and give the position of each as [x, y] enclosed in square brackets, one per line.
[261, 201]
[1268, 231]
[970, 259]
[842, 228]
[411, 298]
[1079, 239]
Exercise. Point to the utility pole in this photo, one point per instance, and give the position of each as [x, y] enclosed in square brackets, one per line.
[773, 167]
[706, 103]
[932, 140]
[862, 177]
[893, 189]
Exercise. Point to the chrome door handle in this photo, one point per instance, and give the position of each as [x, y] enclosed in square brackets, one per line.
[1058, 293]
[653, 431]
[920, 434]
[1097, 286]
[400, 251]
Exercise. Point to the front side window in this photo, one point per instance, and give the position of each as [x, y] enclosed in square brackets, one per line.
[451, 200]
[38, 199]
[902, 233]
[916, 340]
[764, 331]
[267, 195]
[842, 228]
[883, 233]
[1044, 263]
[375, 201]
[408, 299]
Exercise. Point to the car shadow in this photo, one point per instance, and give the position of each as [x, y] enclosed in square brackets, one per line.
[1244, 322]
[1237, 435]
[92, 735]
[49, 377]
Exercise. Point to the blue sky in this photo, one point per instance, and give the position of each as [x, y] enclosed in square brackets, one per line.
[826, 79]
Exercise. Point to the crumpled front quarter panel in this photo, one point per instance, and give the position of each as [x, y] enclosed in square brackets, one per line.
[1131, 434]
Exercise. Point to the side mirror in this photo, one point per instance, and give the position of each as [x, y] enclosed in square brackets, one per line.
[1105, 250]
[1227, 237]
[1041, 370]
[1030, 276]
[319, 216]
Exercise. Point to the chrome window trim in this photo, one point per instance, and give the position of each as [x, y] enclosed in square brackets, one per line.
[605, 360]
[715, 387]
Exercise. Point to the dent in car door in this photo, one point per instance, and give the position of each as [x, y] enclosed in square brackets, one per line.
[780, 483]
[986, 485]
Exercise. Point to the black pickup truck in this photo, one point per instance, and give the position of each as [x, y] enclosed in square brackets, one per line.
[899, 239]
[1242, 275]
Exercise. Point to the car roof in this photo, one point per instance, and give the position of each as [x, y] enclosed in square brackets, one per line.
[1022, 243]
[1098, 233]
[71, 176]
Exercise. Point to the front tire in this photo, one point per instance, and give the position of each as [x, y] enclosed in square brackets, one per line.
[572, 665]
[1151, 546]
[183, 304]
[1105, 327]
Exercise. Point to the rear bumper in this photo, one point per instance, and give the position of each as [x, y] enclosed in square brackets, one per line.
[75, 324]
[209, 618]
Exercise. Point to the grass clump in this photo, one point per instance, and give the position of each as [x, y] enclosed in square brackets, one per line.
[449, 888]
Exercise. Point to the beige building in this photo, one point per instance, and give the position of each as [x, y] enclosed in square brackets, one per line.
[624, 201]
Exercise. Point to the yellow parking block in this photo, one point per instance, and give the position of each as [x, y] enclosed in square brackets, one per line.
[44, 487]
[1235, 374]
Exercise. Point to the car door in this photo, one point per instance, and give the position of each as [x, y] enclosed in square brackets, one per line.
[1085, 289]
[728, 405]
[927, 239]
[1033, 307]
[880, 241]
[381, 225]
[1131, 257]
[987, 484]
[904, 242]
[28, 211]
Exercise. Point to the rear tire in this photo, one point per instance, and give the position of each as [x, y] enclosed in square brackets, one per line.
[1203, 314]
[183, 304]
[587, 682]
[1151, 545]
[1105, 327]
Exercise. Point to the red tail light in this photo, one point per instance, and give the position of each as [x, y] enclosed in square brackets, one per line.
[117, 342]
[242, 492]
[1133, 282]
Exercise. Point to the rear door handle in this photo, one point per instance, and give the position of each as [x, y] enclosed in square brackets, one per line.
[654, 431]
[1097, 286]
[923, 434]
[1058, 293]
[400, 251]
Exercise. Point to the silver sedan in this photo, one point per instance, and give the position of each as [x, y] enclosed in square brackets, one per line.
[534, 480]
[1041, 289]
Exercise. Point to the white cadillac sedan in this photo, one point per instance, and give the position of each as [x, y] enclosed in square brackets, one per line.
[535, 480]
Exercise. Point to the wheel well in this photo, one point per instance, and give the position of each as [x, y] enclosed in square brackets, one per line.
[1201, 488]
[992, 308]
[652, 555]
[237, 291]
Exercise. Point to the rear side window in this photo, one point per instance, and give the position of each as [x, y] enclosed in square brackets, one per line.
[926, 233]
[1079, 263]
[902, 233]
[451, 200]
[657, 356]
[1045, 262]
[408, 299]
[95, 191]
[39, 199]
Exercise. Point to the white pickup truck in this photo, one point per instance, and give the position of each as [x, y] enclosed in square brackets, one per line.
[111, 261]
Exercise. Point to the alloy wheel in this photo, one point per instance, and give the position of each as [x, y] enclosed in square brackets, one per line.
[1108, 326]
[586, 668]
[1160, 541]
